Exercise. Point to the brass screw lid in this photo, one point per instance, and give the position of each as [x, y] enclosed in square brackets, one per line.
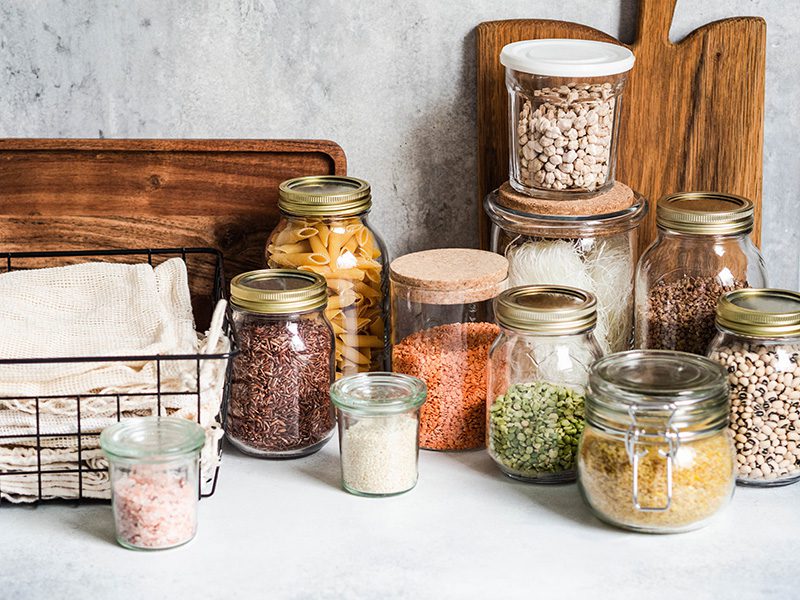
[279, 291]
[546, 309]
[325, 195]
[705, 213]
[760, 313]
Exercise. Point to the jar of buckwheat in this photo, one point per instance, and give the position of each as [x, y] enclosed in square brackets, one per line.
[759, 345]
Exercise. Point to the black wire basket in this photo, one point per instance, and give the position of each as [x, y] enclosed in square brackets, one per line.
[83, 475]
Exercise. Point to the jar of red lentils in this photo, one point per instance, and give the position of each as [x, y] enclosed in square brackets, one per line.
[442, 329]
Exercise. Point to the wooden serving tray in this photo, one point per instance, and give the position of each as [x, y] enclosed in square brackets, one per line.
[80, 194]
[692, 112]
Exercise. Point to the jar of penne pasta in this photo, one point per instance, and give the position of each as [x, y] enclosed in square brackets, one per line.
[442, 329]
[324, 229]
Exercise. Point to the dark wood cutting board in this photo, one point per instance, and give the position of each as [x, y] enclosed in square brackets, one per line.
[692, 113]
[73, 194]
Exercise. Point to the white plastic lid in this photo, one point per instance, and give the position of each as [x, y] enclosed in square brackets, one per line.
[567, 58]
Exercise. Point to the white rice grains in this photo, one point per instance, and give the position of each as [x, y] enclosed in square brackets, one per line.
[379, 455]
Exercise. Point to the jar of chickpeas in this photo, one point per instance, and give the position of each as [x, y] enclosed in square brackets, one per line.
[324, 229]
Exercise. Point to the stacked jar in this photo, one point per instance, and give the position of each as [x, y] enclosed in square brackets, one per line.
[562, 218]
[703, 250]
[758, 344]
[443, 327]
[538, 371]
[324, 229]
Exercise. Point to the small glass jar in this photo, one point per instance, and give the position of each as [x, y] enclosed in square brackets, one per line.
[443, 327]
[280, 403]
[703, 249]
[155, 486]
[564, 103]
[596, 254]
[538, 372]
[656, 455]
[324, 229]
[378, 432]
[759, 346]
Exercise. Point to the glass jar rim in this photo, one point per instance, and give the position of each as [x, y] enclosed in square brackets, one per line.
[760, 312]
[660, 390]
[154, 439]
[553, 310]
[564, 226]
[705, 213]
[297, 291]
[324, 196]
[378, 393]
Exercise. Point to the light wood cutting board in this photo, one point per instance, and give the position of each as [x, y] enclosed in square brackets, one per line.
[692, 113]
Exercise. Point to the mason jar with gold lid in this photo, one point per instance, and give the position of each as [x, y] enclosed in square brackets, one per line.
[538, 371]
[703, 249]
[280, 404]
[758, 343]
[324, 229]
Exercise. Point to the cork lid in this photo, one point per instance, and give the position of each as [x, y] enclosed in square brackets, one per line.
[451, 275]
[618, 198]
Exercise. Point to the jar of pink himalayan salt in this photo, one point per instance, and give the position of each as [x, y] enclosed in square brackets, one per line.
[154, 468]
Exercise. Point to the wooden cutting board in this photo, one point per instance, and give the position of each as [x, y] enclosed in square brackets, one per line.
[72, 194]
[692, 113]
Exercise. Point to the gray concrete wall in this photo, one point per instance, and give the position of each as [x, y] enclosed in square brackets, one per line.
[392, 81]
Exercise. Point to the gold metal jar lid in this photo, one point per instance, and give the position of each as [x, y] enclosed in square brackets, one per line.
[279, 291]
[760, 312]
[324, 195]
[546, 309]
[705, 213]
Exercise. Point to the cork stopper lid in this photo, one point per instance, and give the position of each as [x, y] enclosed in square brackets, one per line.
[618, 198]
[450, 275]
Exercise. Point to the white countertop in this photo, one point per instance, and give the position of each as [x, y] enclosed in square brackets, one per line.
[286, 530]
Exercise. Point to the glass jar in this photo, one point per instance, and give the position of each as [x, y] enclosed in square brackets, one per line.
[703, 249]
[280, 403]
[443, 327]
[758, 343]
[154, 469]
[538, 372]
[596, 254]
[655, 454]
[324, 229]
[378, 432]
[564, 102]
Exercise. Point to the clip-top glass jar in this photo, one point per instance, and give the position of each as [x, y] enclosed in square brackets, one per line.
[378, 432]
[443, 327]
[564, 102]
[656, 455]
[703, 249]
[595, 253]
[759, 345]
[538, 372]
[324, 229]
[280, 403]
[154, 469]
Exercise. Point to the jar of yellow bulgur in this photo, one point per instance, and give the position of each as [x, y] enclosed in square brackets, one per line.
[656, 455]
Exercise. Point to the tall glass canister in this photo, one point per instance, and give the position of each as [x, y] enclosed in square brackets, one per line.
[325, 229]
[443, 326]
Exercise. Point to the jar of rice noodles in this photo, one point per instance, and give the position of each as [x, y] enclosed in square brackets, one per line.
[594, 253]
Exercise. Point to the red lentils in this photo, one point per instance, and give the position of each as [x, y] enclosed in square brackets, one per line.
[452, 360]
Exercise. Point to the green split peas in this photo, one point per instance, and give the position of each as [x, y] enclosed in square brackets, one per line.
[534, 429]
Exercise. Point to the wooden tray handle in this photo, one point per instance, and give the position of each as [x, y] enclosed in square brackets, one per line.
[655, 21]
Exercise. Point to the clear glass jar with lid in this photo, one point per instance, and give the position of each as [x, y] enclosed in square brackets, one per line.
[758, 343]
[656, 455]
[564, 105]
[280, 402]
[155, 485]
[595, 253]
[538, 372]
[378, 432]
[442, 327]
[703, 249]
[325, 229]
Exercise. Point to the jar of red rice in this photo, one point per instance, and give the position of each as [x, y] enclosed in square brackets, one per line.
[442, 329]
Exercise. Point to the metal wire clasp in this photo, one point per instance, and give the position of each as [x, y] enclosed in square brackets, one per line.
[634, 438]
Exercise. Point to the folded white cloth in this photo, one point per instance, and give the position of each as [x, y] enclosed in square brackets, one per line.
[99, 309]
